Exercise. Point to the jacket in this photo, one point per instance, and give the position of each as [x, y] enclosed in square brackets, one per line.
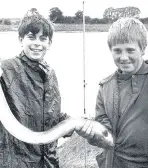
[129, 129]
[32, 93]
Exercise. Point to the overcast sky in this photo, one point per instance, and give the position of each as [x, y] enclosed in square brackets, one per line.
[93, 8]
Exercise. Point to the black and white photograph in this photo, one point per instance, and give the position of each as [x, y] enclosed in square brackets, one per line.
[73, 84]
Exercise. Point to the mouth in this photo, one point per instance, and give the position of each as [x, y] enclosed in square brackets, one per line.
[35, 50]
[125, 63]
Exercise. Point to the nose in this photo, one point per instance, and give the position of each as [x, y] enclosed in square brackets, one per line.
[124, 57]
[37, 42]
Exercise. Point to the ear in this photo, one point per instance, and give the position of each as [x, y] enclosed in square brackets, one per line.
[49, 44]
[20, 39]
[143, 52]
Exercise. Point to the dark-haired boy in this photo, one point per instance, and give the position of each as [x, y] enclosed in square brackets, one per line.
[31, 90]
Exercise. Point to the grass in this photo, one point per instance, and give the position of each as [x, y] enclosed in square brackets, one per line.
[72, 153]
[66, 27]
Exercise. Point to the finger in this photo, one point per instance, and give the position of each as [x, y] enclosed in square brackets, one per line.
[82, 131]
[86, 126]
[79, 124]
[89, 134]
[92, 133]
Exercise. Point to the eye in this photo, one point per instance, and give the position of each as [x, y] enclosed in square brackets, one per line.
[130, 50]
[31, 37]
[43, 38]
[117, 51]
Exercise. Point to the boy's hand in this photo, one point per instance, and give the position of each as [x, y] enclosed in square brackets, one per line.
[86, 130]
[92, 130]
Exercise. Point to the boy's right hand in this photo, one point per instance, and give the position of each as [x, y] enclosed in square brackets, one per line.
[93, 130]
[85, 129]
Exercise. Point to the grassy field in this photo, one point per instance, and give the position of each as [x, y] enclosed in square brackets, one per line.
[66, 27]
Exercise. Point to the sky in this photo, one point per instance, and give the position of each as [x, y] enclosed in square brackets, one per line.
[93, 8]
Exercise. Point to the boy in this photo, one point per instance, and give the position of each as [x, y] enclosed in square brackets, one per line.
[122, 100]
[31, 90]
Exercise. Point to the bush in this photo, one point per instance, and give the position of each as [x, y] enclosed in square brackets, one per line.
[7, 22]
[1, 21]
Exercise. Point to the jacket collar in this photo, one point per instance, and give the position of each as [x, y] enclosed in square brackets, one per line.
[34, 64]
[143, 69]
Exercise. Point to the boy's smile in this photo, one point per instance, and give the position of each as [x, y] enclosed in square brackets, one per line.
[35, 45]
[127, 57]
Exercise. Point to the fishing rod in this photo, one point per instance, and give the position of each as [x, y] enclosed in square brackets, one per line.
[84, 72]
[84, 82]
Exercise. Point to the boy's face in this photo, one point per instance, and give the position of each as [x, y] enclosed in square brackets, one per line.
[35, 45]
[127, 57]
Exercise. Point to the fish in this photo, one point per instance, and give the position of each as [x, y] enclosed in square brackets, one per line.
[22, 133]
[101, 135]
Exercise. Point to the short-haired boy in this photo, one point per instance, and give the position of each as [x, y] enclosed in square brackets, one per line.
[122, 100]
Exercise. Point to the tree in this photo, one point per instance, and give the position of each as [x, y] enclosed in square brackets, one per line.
[56, 15]
[116, 13]
[6, 22]
[69, 19]
[95, 21]
[79, 16]
[1, 21]
[87, 19]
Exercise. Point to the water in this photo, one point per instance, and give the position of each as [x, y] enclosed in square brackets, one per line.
[66, 57]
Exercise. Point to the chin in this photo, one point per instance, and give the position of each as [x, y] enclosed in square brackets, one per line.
[126, 70]
[36, 58]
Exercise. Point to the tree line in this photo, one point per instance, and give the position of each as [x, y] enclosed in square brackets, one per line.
[109, 16]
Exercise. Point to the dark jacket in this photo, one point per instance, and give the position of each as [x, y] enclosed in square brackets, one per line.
[32, 92]
[130, 130]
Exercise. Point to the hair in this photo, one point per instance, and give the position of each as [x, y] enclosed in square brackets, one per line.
[127, 30]
[33, 22]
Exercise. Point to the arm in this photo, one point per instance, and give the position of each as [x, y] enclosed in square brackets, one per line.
[100, 117]
[98, 131]
[55, 115]
[45, 137]
[53, 100]
[29, 136]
